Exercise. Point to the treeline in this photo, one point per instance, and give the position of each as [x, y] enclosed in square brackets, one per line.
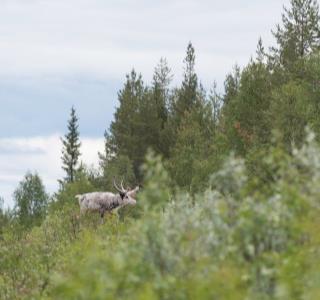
[271, 100]
[274, 98]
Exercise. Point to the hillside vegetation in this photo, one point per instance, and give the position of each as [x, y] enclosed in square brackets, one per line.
[229, 207]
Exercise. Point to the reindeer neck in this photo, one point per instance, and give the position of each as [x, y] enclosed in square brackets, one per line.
[118, 200]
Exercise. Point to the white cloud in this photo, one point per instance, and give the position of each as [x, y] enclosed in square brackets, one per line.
[41, 154]
[107, 38]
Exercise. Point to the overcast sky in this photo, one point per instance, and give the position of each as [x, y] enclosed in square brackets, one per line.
[59, 53]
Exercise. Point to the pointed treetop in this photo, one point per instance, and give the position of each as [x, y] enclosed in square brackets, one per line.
[190, 77]
[71, 147]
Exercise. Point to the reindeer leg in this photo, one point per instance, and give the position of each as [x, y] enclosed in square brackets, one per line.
[102, 215]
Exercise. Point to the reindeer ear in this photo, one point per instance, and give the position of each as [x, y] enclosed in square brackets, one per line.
[122, 195]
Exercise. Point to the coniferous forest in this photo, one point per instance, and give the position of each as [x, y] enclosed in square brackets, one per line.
[228, 206]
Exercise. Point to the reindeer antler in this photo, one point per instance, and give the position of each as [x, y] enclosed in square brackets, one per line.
[116, 187]
[123, 189]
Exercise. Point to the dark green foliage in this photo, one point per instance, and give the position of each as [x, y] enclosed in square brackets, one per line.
[246, 116]
[71, 147]
[31, 200]
[299, 34]
[291, 111]
[187, 96]
[140, 123]
[231, 85]
[194, 144]
[118, 168]
[129, 131]
[160, 97]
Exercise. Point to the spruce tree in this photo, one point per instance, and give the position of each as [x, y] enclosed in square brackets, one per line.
[71, 147]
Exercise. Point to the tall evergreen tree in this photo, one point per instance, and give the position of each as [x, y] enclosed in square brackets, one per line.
[31, 200]
[140, 119]
[125, 137]
[186, 98]
[300, 32]
[71, 147]
[195, 121]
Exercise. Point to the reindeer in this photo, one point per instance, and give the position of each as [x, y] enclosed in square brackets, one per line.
[103, 202]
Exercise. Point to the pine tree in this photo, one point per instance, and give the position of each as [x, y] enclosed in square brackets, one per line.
[140, 119]
[300, 32]
[125, 136]
[71, 147]
[31, 200]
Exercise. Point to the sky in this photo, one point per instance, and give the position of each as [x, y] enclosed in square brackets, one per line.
[59, 53]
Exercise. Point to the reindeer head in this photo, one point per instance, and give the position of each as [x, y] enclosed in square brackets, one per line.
[127, 195]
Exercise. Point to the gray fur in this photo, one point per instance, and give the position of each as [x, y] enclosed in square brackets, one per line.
[105, 201]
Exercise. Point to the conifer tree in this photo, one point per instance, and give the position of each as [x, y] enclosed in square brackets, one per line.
[125, 131]
[246, 116]
[191, 146]
[71, 147]
[160, 97]
[140, 119]
[187, 94]
[195, 126]
[300, 32]
[160, 86]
